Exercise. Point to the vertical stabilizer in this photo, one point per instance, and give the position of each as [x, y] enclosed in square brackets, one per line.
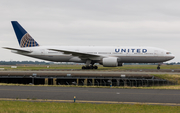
[24, 39]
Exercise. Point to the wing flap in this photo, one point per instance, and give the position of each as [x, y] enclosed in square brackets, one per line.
[75, 53]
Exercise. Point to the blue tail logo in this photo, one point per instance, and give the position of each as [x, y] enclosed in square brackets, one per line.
[24, 39]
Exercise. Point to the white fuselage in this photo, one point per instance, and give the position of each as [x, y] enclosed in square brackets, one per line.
[125, 54]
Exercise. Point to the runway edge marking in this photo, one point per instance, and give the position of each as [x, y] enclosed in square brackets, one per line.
[87, 101]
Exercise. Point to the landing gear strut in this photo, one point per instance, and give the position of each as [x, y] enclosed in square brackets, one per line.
[89, 65]
[158, 66]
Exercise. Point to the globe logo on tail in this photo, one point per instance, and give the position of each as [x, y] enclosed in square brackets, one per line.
[28, 41]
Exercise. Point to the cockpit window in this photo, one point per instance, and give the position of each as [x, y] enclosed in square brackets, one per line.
[168, 52]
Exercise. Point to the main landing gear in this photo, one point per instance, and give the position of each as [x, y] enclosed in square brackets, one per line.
[89, 67]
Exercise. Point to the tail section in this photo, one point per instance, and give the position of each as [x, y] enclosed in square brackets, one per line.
[24, 39]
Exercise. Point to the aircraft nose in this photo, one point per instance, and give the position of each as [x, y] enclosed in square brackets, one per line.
[172, 56]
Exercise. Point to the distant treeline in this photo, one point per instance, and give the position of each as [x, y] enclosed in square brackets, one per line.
[23, 62]
[171, 63]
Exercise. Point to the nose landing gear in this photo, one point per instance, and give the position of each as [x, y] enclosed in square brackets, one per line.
[158, 68]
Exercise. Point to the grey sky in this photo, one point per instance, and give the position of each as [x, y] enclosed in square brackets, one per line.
[92, 22]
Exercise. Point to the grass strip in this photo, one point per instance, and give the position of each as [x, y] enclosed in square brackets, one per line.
[168, 77]
[53, 107]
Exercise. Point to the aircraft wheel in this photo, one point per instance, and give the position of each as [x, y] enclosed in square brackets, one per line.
[83, 67]
[87, 67]
[90, 67]
[95, 67]
[158, 67]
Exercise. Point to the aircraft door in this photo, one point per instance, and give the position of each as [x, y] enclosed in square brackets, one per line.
[156, 52]
[128, 56]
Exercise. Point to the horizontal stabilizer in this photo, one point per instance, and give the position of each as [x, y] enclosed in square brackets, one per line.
[19, 49]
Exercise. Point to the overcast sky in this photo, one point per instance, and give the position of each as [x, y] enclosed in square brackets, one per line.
[153, 23]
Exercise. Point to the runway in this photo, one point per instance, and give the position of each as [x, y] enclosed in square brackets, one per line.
[92, 94]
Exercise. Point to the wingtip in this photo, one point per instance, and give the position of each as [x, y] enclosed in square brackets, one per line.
[4, 47]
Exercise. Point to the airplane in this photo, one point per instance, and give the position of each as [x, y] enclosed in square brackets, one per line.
[108, 56]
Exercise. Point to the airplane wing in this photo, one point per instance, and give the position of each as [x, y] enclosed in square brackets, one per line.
[19, 49]
[76, 53]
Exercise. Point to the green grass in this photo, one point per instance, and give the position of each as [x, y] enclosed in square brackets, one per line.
[168, 77]
[52, 107]
[125, 67]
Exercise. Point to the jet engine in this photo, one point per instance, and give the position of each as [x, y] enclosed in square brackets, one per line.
[110, 62]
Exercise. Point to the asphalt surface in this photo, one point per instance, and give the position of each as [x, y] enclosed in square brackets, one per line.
[91, 94]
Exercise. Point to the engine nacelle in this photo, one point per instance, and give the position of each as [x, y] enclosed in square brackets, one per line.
[110, 62]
